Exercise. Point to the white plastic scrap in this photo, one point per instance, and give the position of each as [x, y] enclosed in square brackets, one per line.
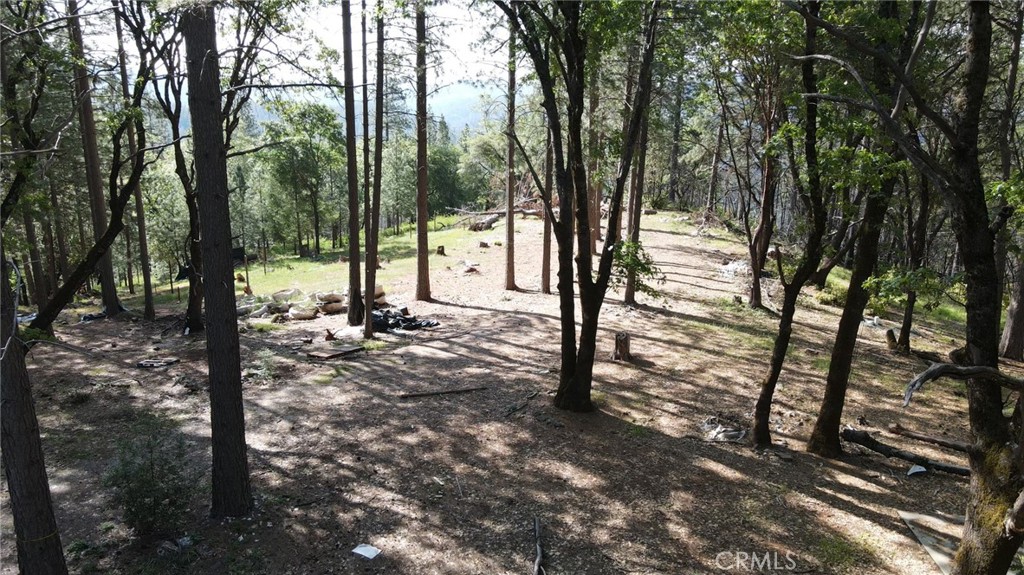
[916, 469]
[368, 551]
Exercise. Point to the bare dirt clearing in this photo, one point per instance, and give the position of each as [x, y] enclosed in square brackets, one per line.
[452, 483]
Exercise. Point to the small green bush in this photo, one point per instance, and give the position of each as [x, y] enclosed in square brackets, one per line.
[832, 295]
[153, 483]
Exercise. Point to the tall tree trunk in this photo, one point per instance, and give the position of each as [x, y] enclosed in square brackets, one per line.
[916, 250]
[35, 529]
[149, 311]
[128, 260]
[38, 283]
[510, 167]
[636, 210]
[194, 246]
[52, 272]
[677, 125]
[94, 179]
[355, 301]
[545, 259]
[231, 491]
[812, 196]
[593, 144]
[372, 230]
[422, 249]
[1012, 341]
[62, 235]
[824, 438]
[762, 236]
[716, 159]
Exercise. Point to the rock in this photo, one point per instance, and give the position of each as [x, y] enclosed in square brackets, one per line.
[287, 294]
[300, 313]
[333, 308]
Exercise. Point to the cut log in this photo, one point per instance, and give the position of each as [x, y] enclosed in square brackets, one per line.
[865, 439]
[898, 429]
[621, 352]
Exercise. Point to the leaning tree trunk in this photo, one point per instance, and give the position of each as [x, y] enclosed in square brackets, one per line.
[231, 491]
[812, 195]
[824, 439]
[35, 529]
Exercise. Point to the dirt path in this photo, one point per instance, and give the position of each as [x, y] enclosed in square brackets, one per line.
[452, 483]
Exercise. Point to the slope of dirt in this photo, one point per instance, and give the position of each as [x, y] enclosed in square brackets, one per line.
[452, 483]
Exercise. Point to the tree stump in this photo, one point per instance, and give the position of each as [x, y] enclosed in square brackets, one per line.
[440, 250]
[621, 352]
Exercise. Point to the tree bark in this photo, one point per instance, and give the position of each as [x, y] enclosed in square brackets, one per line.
[824, 438]
[149, 312]
[94, 179]
[510, 168]
[61, 233]
[372, 230]
[38, 283]
[677, 125]
[355, 301]
[231, 491]
[545, 260]
[35, 529]
[813, 200]
[636, 210]
[422, 181]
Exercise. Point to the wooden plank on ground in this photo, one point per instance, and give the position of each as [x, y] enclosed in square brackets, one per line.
[334, 353]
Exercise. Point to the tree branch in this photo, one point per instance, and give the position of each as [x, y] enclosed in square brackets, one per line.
[937, 370]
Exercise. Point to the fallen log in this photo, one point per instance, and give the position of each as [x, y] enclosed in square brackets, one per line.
[440, 392]
[865, 439]
[486, 223]
[898, 429]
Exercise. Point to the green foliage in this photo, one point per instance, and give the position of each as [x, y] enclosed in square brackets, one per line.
[631, 257]
[891, 288]
[153, 482]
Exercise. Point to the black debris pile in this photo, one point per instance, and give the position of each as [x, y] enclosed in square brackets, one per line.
[385, 320]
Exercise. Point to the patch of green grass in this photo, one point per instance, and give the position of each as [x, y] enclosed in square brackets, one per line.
[265, 326]
[821, 363]
[946, 311]
[374, 344]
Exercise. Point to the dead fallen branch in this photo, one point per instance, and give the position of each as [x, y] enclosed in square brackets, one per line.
[865, 439]
[440, 392]
[898, 429]
[937, 370]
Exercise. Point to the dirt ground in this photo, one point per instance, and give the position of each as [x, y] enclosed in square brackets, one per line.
[453, 483]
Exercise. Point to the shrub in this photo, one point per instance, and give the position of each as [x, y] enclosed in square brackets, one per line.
[153, 483]
[631, 256]
[832, 296]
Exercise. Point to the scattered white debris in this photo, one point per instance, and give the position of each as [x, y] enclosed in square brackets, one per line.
[368, 551]
[916, 469]
[732, 269]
